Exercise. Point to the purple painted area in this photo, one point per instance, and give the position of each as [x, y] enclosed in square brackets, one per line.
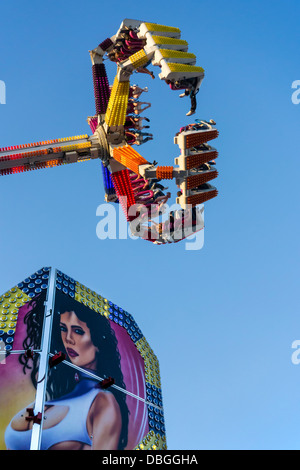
[106, 44]
[93, 124]
[101, 88]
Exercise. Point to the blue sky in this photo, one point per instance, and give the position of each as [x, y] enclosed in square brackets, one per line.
[221, 320]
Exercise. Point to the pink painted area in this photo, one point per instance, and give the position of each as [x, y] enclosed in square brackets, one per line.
[20, 332]
[16, 389]
[132, 365]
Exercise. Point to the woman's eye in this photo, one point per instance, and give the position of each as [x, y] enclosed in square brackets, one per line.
[63, 328]
[79, 331]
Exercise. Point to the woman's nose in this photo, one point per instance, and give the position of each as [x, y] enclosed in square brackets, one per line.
[69, 338]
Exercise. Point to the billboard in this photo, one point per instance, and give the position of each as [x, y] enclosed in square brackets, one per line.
[76, 371]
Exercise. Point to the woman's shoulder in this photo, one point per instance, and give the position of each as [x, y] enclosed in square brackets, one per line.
[105, 400]
[105, 409]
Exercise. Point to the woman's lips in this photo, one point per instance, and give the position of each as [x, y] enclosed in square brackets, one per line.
[71, 352]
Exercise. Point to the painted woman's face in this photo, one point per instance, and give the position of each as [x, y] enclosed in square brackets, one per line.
[77, 341]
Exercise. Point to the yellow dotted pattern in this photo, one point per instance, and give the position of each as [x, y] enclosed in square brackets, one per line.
[185, 68]
[76, 137]
[117, 105]
[152, 442]
[166, 40]
[162, 28]
[176, 54]
[139, 58]
[10, 302]
[45, 142]
[68, 148]
[91, 299]
[151, 365]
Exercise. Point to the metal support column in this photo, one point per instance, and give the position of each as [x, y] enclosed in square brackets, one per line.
[44, 361]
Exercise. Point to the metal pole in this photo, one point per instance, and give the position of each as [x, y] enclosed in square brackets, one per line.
[43, 365]
[123, 390]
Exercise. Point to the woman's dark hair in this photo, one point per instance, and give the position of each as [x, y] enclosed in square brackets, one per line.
[61, 379]
[33, 319]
